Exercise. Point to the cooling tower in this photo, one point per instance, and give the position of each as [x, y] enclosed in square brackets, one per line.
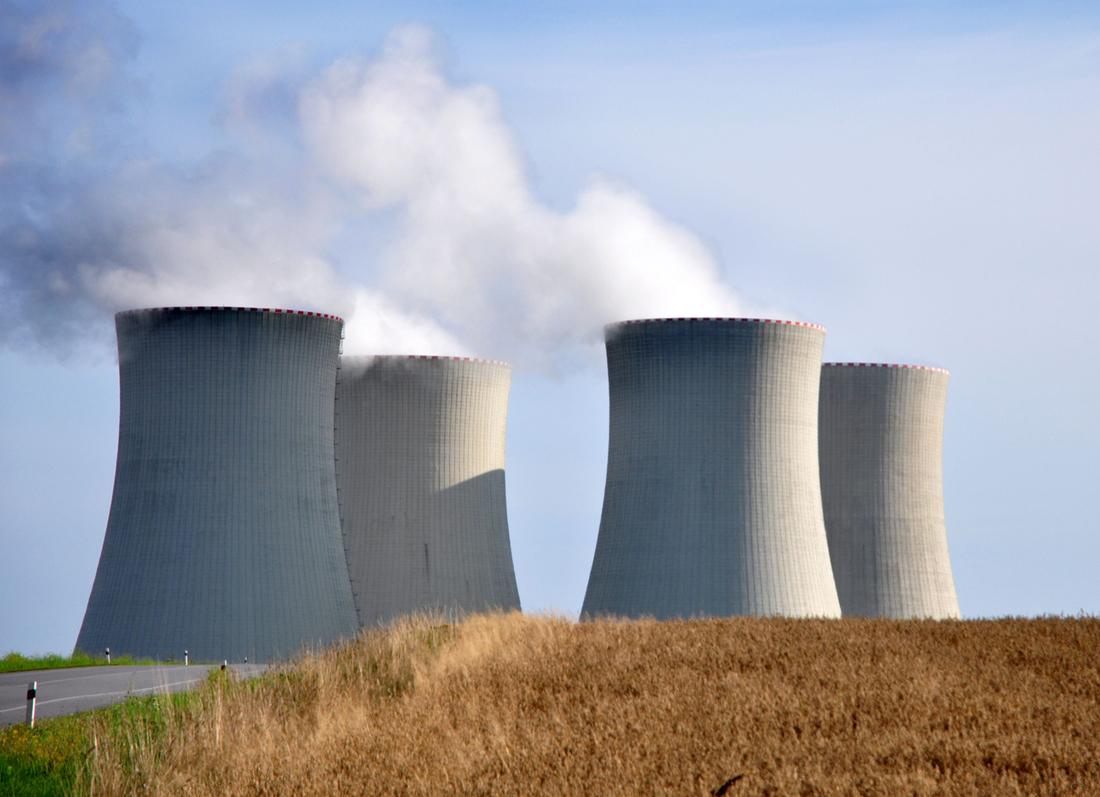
[712, 505]
[881, 445]
[224, 531]
[420, 466]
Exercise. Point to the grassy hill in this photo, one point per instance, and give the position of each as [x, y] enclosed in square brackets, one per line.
[509, 704]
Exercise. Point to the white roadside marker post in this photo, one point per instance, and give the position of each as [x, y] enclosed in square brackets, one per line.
[32, 699]
[186, 659]
[108, 652]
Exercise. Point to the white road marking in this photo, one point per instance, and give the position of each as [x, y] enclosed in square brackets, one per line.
[45, 679]
[201, 672]
[107, 694]
[123, 692]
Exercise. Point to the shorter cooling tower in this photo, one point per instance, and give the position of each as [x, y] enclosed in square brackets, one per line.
[881, 448]
[420, 468]
[224, 532]
[712, 505]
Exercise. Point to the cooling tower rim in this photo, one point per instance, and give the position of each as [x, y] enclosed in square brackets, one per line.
[216, 308]
[728, 320]
[902, 366]
[440, 357]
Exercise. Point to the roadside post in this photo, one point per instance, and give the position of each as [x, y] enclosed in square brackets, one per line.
[186, 659]
[108, 652]
[32, 699]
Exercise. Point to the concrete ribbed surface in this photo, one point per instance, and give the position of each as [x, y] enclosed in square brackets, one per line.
[420, 450]
[881, 448]
[224, 532]
[712, 504]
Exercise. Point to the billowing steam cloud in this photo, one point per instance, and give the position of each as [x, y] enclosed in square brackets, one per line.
[375, 189]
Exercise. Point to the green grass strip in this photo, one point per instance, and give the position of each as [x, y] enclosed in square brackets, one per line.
[49, 759]
[17, 662]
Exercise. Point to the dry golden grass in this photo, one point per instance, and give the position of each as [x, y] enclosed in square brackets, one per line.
[512, 704]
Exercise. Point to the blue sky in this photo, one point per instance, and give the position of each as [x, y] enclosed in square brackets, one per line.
[921, 178]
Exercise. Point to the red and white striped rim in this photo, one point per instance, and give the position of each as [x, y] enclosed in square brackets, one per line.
[440, 357]
[776, 321]
[200, 308]
[904, 366]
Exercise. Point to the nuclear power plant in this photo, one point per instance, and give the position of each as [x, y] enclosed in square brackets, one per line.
[224, 532]
[712, 505]
[881, 449]
[270, 496]
[420, 468]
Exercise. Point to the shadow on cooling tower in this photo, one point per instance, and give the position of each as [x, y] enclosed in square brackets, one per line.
[449, 555]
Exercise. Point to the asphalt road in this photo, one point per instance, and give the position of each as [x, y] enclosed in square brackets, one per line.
[68, 691]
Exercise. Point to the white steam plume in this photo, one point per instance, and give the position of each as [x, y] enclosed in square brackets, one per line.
[474, 248]
[462, 258]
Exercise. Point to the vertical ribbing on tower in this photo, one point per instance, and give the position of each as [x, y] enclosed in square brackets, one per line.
[421, 479]
[881, 448]
[224, 533]
[712, 504]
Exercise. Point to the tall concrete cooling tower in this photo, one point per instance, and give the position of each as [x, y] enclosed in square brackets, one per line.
[881, 445]
[712, 504]
[224, 532]
[420, 466]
